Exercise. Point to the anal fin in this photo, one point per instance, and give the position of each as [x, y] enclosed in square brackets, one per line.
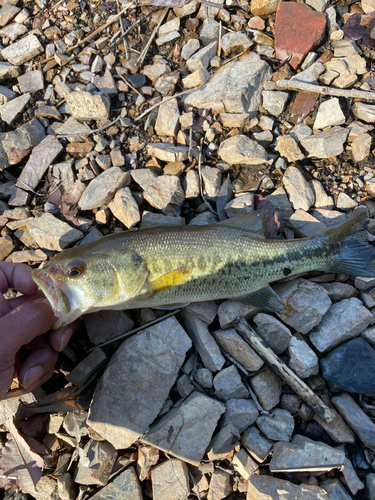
[265, 298]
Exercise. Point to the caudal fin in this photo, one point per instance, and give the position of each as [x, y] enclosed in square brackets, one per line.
[353, 254]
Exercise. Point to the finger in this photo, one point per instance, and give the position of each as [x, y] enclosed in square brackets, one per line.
[16, 276]
[23, 324]
[59, 338]
[38, 364]
[38, 382]
[17, 301]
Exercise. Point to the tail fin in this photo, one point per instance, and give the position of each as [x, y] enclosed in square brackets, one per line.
[354, 253]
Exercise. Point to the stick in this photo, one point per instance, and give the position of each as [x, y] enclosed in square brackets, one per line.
[95, 32]
[309, 87]
[303, 390]
[82, 134]
[142, 57]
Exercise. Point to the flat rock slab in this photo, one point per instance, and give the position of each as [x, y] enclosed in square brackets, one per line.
[170, 480]
[299, 190]
[85, 106]
[102, 189]
[51, 233]
[298, 29]
[186, 431]
[267, 487]
[41, 158]
[137, 381]
[235, 88]
[326, 144]
[22, 51]
[242, 150]
[125, 485]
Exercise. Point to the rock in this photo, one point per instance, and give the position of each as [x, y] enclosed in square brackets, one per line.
[22, 51]
[173, 25]
[274, 102]
[288, 148]
[168, 152]
[344, 321]
[356, 418]
[164, 346]
[196, 79]
[278, 427]
[170, 480]
[361, 147]
[308, 303]
[10, 112]
[125, 208]
[234, 120]
[256, 444]
[147, 457]
[167, 122]
[267, 487]
[345, 203]
[106, 84]
[170, 37]
[298, 189]
[240, 205]
[8, 71]
[150, 219]
[40, 159]
[233, 41]
[203, 341]
[95, 465]
[228, 385]
[6, 246]
[223, 443]
[363, 111]
[104, 325]
[66, 488]
[273, 332]
[101, 190]
[349, 367]
[206, 311]
[46, 488]
[279, 200]
[6, 95]
[186, 431]
[335, 489]
[31, 82]
[13, 31]
[212, 181]
[192, 184]
[165, 193]
[243, 464]
[155, 71]
[82, 372]
[190, 48]
[250, 73]
[305, 224]
[204, 219]
[303, 361]
[184, 386]
[204, 377]
[229, 310]
[326, 144]
[202, 58]
[370, 483]
[337, 429]
[329, 113]
[268, 387]
[220, 486]
[241, 413]
[209, 32]
[85, 106]
[322, 200]
[125, 485]
[242, 150]
[72, 126]
[298, 30]
[338, 291]
[235, 346]
[51, 233]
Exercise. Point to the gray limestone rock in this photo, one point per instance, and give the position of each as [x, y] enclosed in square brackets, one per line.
[186, 431]
[241, 413]
[267, 387]
[210, 31]
[233, 41]
[322, 200]
[228, 384]
[361, 147]
[202, 58]
[125, 485]
[130, 394]
[345, 320]
[102, 189]
[273, 332]
[329, 114]
[308, 303]
[170, 480]
[96, 461]
[167, 122]
[235, 346]
[242, 150]
[300, 193]
[204, 377]
[244, 465]
[345, 203]
[256, 443]
[212, 181]
[274, 102]
[229, 310]
[364, 111]
[51, 233]
[302, 359]
[11, 110]
[165, 193]
[279, 426]
[206, 311]
[279, 200]
[8, 71]
[337, 429]
[267, 487]
[190, 48]
[223, 443]
[85, 106]
[168, 152]
[235, 88]
[31, 82]
[220, 485]
[338, 291]
[22, 51]
[125, 208]
[240, 205]
[289, 149]
[326, 144]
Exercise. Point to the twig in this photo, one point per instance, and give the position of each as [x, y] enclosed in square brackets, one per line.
[118, 40]
[303, 390]
[123, 31]
[201, 180]
[220, 41]
[142, 57]
[95, 32]
[84, 134]
[309, 87]
[190, 143]
[128, 84]
[136, 330]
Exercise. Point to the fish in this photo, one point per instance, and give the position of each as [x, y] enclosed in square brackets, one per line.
[170, 267]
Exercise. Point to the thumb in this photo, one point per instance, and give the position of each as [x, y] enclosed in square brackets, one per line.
[21, 325]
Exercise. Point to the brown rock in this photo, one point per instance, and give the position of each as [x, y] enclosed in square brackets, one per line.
[80, 147]
[6, 246]
[298, 29]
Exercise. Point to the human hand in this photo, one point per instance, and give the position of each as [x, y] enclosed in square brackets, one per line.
[25, 322]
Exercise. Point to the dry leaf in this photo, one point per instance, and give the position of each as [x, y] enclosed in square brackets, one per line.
[302, 105]
[19, 466]
[361, 33]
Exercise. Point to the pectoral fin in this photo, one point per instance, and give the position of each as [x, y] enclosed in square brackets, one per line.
[173, 278]
[266, 298]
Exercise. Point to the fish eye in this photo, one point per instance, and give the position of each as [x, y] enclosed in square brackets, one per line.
[74, 271]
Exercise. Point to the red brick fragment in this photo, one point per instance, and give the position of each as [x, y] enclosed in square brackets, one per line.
[298, 29]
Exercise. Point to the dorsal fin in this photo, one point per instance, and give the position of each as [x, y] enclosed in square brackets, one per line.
[253, 221]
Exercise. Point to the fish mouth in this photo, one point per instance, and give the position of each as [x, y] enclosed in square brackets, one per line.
[57, 298]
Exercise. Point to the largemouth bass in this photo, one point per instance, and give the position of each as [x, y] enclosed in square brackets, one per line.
[174, 266]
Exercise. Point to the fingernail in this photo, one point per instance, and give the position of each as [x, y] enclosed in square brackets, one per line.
[31, 376]
[65, 337]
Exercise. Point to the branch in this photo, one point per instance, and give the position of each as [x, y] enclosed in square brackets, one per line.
[310, 87]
